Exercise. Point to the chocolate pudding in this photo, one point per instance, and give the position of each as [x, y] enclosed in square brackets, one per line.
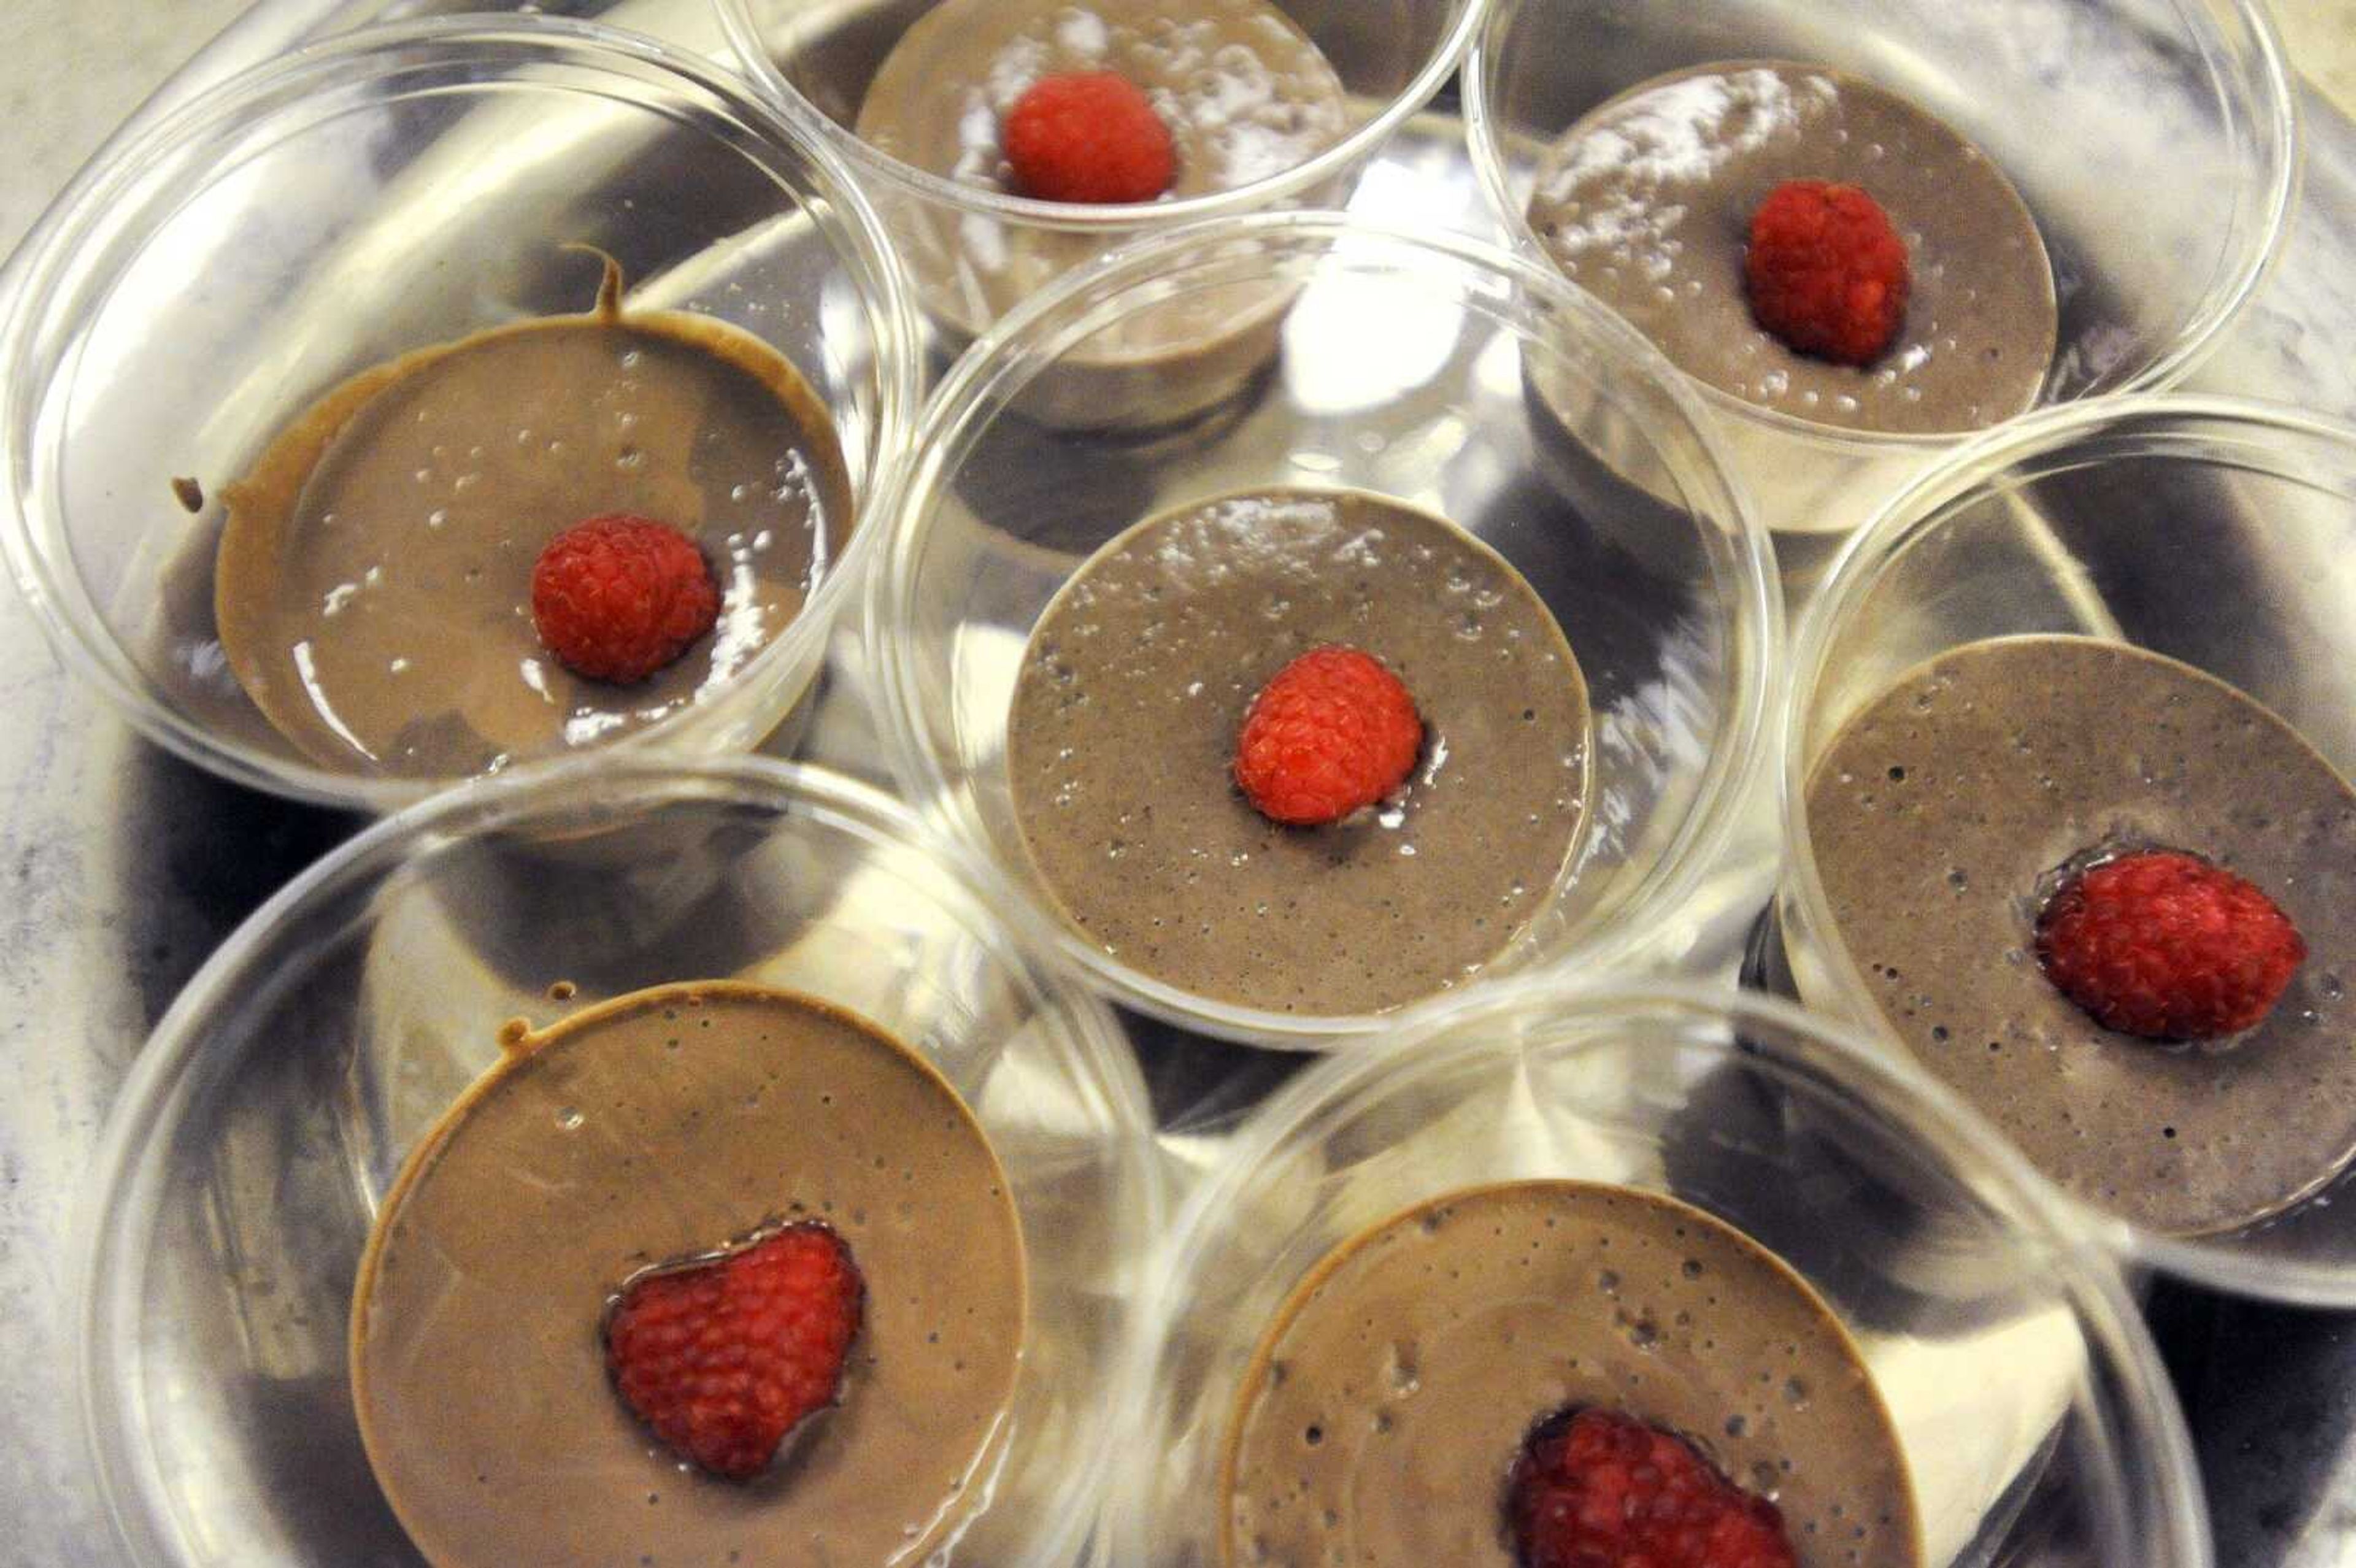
[1121, 741]
[1382, 1410]
[1245, 95]
[1647, 204]
[1942, 815]
[655, 1128]
[374, 581]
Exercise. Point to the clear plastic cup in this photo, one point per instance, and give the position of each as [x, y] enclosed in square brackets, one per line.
[973, 252]
[1671, 608]
[2209, 530]
[262, 1127]
[356, 200]
[2154, 144]
[2030, 1405]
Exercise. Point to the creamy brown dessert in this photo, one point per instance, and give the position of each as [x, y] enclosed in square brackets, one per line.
[1244, 94]
[1121, 741]
[657, 1127]
[1646, 203]
[373, 583]
[1384, 1406]
[1941, 818]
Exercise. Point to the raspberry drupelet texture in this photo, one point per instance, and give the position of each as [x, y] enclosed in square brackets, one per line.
[723, 1359]
[1334, 731]
[2166, 945]
[619, 597]
[1827, 273]
[1595, 1488]
[1091, 137]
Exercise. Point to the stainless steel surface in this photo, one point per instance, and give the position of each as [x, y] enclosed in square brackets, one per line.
[121, 869]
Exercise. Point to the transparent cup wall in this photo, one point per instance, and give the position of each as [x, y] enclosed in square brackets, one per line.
[262, 1125]
[2031, 1407]
[1484, 397]
[350, 204]
[973, 253]
[2212, 531]
[2153, 140]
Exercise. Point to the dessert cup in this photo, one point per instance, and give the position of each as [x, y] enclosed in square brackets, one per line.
[817, 60]
[2207, 530]
[1670, 610]
[262, 1127]
[1914, 1223]
[2161, 209]
[361, 199]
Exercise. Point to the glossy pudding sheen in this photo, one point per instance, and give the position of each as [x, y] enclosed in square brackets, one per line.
[374, 583]
[656, 1128]
[1122, 734]
[1386, 1405]
[1941, 819]
[1647, 204]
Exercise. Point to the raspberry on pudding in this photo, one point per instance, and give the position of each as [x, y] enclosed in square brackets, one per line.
[1560, 1373]
[1828, 275]
[1806, 242]
[376, 587]
[2168, 946]
[1595, 1486]
[618, 598]
[1335, 732]
[724, 1356]
[669, 1284]
[1119, 105]
[2111, 901]
[1238, 89]
[1091, 137]
[1304, 750]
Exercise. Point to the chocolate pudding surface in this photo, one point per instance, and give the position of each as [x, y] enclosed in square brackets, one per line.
[373, 588]
[659, 1126]
[1389, 1399]
[1244, 92]
[1647, 204]
[1944, 814]
[1121, 737]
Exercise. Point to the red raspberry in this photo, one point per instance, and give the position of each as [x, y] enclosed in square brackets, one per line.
[1088, 138]
[2165, 946]
[1332, 732]
[617, 598]
[1828, 273]
[1594, 1488]
[722, 1358]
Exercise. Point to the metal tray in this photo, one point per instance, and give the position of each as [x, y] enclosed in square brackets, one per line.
[121, 869]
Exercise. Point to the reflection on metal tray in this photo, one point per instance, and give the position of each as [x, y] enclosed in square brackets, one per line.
[126, 867]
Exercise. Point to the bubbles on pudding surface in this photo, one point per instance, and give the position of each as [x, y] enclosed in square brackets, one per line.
[1121, 745]
[1506, 1305]
[1244, 92]
[645, 1131]
[1941, 818]
[373, 587]
[1646, 202]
